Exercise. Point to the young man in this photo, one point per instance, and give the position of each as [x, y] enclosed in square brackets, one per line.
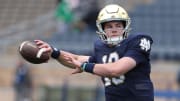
[121, 60]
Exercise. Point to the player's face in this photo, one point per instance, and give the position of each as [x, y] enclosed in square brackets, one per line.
[114, 28]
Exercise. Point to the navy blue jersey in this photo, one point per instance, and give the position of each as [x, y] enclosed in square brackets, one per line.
[136, 83]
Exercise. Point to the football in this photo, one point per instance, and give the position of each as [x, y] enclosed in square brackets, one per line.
[31, 53]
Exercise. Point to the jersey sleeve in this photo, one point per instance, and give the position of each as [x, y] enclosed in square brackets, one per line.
[139, 48]
[92, 58]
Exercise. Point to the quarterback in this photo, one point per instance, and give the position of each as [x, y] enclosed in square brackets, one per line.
[120, 58]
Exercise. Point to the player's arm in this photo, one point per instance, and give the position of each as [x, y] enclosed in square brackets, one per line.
[114, 69]
[64, 55]
[59, 55]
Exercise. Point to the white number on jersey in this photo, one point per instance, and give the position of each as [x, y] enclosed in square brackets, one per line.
[116, 80]
[145, 44]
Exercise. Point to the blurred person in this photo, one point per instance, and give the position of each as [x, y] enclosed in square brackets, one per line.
[64, 17]
[68, 20]
[178, 81]
[23, 82]
[122, 60]
[89, 18]
[58, 1]
[65, 86]
[178, 78]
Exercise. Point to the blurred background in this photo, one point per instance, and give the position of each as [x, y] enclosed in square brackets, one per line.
[70, 25]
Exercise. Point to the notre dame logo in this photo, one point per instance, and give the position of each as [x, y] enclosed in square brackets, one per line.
[145, 44]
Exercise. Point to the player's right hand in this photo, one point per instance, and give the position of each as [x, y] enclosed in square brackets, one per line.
[42, 44]
[76, 64]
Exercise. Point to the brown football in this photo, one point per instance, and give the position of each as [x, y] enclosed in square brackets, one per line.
[30, 52]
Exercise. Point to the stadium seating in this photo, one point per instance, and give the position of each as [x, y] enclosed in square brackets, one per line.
[161, 21]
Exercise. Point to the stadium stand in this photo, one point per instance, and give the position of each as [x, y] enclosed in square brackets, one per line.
[161, 20]
[15, 11]
[23, 20]
[35, 19]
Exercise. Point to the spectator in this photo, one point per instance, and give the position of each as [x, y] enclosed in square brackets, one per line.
[64, 17]
[23, 82]
[178, 78]
[90, 18]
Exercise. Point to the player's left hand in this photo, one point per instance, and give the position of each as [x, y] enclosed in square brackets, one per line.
[74, 62]
[77, 70]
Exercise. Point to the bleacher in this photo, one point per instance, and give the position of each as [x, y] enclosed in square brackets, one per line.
[24, 20]
[16, 11]
[161, 21]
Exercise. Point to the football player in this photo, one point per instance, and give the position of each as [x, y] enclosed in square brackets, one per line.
[121, 60]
